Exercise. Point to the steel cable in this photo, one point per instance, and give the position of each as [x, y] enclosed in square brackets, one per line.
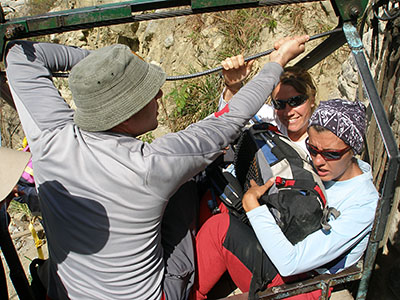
[255, 56]
[216, 69]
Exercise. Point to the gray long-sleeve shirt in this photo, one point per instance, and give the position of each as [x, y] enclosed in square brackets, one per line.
[103, 194]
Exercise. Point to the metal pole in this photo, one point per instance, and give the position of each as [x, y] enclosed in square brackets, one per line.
[391, 147]
[17, 273]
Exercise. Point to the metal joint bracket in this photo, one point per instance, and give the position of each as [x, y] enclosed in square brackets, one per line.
[353, 39]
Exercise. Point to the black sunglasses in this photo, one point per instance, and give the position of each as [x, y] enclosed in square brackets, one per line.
[292, 101]
[327, 154]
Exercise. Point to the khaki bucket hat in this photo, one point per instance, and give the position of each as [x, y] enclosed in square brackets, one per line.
[12, 165]
[110, 85]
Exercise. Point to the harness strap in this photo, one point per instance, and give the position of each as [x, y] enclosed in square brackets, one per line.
[263, 127]
[320, 193]
[301, 184]
[38, 242]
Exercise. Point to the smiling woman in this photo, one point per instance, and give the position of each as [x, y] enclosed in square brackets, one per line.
[292, 102]
[295, 83]
[296, 88]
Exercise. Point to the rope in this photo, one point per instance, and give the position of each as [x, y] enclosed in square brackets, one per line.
[207, 72]
[210, 71]
[255, 56]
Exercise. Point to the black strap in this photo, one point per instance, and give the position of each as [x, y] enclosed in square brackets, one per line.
[38, 289]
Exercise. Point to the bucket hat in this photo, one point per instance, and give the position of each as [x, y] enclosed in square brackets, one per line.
[12, 164]
[110, 85]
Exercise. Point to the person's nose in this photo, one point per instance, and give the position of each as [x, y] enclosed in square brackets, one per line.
[288, 110]
[319, 160]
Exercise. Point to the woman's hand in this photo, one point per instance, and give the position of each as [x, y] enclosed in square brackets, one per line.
[250, 198]
[288, 48]
[235, 70]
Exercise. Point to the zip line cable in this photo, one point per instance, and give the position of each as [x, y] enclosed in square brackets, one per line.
[216, 69]
[207, 72]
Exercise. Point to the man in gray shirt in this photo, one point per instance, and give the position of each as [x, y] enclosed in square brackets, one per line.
[104, 192]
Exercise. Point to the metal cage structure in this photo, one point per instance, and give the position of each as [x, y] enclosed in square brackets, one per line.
[348, 12]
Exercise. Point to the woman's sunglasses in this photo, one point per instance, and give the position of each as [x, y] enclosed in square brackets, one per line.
[292, 101]
[327, 154]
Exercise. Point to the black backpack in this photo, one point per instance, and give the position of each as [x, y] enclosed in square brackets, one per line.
[297, 199]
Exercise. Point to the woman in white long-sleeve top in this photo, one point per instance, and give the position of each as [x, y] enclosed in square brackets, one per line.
[336, 133]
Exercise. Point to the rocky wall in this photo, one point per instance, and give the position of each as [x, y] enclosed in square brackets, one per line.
[185, 44]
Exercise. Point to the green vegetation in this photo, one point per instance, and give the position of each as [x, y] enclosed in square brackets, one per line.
[197, 98]
[16, 207]
[242, 28]
[147, 137]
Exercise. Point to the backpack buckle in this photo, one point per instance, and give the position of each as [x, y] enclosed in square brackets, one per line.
[279, 181]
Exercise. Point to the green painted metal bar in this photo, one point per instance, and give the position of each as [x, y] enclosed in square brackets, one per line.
[101, 15]
[350, 10]
[198, 4]
[124, 12]
[88, 16]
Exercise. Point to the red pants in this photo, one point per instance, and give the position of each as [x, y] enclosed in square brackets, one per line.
[205, 211]
[214, 259]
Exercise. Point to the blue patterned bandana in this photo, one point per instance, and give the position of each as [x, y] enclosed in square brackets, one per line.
[346, 119]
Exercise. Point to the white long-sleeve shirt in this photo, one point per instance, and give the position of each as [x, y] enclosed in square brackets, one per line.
[356, 199]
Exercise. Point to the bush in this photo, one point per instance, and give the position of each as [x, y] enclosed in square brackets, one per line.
[197, 98]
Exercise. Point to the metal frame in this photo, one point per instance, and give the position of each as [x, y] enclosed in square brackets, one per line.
[363, 270]
[322, 282]
[124, 12]
[323, 50]
[392, 151]
[347, 11]
[118, 13]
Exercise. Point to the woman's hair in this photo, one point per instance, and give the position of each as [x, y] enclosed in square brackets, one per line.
[300, 80]
[318, 128]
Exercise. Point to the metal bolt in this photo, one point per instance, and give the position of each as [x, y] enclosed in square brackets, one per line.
[12, 30]
[354, 12]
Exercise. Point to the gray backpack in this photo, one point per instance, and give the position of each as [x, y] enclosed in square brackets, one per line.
[297, 200]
